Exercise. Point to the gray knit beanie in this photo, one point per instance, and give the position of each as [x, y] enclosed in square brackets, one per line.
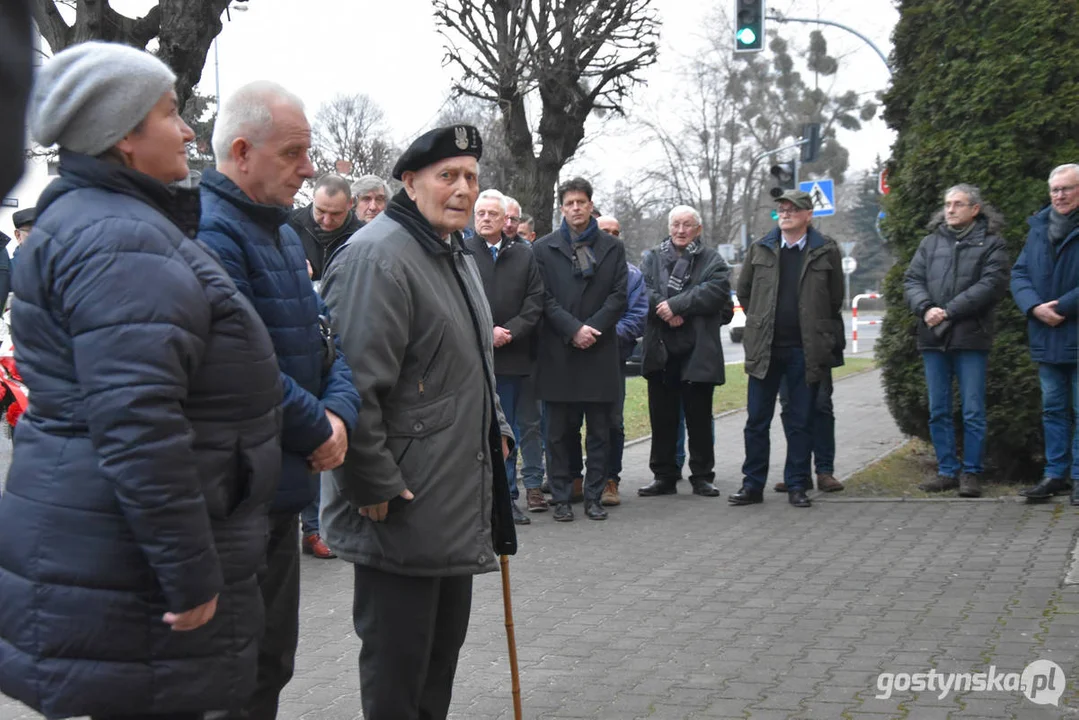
[91, 95]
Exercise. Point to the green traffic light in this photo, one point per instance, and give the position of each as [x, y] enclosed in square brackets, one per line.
[775, 215]
[746, 36]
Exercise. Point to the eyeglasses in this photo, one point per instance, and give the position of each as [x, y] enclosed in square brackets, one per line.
[789, 211]
[1062, 190]
[513, 218]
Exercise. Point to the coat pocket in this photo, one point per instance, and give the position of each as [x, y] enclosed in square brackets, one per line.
[410, 437]
[257, 477]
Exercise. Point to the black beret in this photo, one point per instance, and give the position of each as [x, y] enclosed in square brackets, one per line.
[26, 216]
[439, 144]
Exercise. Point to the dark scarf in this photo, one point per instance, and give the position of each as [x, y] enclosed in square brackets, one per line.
[1061, 226]
[584, 260]
[408, 215]
[675, 268]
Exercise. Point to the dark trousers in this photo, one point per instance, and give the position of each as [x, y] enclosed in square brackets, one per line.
[823, 424]
[411, 630]
[668, 396]
[563, 430]
[280, 586]
[787, 363]
[618, 436]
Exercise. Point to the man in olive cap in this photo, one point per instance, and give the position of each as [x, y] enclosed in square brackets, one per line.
[421, 503]
[792, 288]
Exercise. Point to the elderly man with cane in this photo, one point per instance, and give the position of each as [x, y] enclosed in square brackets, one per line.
[421, 503]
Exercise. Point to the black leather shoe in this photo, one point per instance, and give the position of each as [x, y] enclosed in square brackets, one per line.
[519, 518]
[563, 512]
[1046, 489]
[705, 489]
[594, 511]
[798, 498]
[658, 487]
[748, 495]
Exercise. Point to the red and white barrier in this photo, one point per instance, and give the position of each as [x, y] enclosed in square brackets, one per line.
[854, 318]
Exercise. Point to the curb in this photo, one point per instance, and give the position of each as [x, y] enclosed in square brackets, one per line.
[728, 413]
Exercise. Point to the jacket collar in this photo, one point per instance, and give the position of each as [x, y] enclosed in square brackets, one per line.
[1039, 223]
[179, 205]
[304, 217]
[814, 239]
[270, 217]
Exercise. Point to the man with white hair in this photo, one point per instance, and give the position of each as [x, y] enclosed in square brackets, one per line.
[689, 299]
[1045, 285]
[513, 218]
[370, 194]
[514, 290]
[260, 141]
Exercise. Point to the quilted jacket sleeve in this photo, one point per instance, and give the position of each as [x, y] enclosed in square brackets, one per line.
[305, 424]
[339, 395]
[139, 320]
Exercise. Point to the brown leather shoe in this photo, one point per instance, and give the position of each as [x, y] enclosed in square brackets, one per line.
[578, 490]
[313, 545]
[536, 501]
[610, 494]
[828, 483]
[780, 487]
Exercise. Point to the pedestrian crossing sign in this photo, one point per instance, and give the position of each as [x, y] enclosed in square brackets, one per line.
[823, 193]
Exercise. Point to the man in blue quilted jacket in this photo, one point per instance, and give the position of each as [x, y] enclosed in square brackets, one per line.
[260, 142]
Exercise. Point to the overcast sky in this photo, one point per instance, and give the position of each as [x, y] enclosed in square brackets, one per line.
[391, 50]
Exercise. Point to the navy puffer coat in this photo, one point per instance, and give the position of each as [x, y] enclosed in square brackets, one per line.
[145, 464]
[265, 259]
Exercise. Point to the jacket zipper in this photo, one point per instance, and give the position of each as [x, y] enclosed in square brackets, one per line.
[431, 362]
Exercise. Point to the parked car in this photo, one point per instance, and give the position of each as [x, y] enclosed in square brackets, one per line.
[738, 322]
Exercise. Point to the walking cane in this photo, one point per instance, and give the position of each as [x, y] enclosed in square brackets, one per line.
[507, 603]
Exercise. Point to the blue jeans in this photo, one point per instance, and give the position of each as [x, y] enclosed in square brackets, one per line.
[508, 388]
[787, 363]
[309, 515]
[1060, 405]
[969, 368]
[823, 425]
[530, 434]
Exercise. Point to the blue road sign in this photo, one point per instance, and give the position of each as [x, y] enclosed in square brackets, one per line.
[823, 193]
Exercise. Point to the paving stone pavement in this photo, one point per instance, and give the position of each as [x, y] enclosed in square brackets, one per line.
[683, 607]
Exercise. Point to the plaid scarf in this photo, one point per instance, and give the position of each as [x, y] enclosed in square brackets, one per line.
[676, 267]
[584, 259]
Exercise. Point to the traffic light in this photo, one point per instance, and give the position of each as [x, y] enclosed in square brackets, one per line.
[811, 147]
[784, 174]
[748, 26]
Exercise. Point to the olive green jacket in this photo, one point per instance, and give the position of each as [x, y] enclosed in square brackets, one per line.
[820, 298]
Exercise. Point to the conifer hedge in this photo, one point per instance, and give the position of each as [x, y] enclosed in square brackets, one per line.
[984, 92]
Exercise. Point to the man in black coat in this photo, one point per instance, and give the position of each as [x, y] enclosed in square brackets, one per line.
[514, 292]
[956, 278]
[325, 224]
[689, 299]
[584, 277]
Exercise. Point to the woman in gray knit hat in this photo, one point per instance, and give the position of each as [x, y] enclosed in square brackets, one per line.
[134, 517]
